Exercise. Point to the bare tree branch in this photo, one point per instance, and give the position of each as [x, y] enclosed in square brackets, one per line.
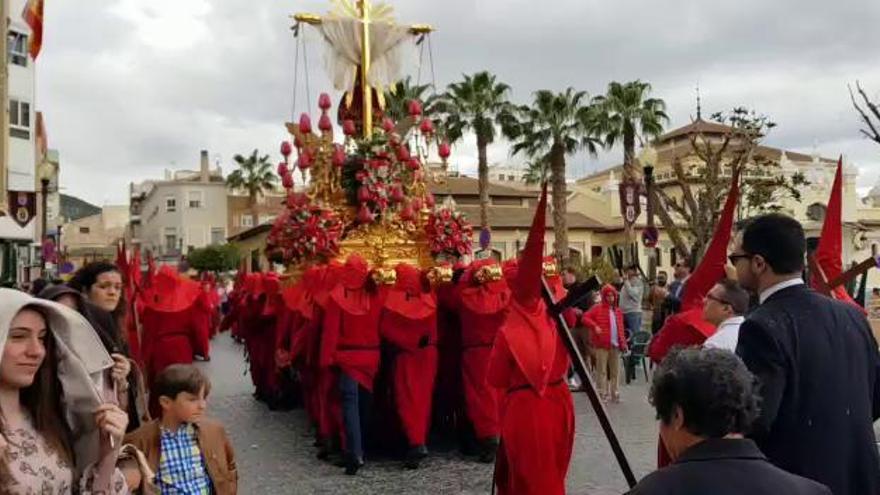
[668, 224]
[686, 192]
[873, 135]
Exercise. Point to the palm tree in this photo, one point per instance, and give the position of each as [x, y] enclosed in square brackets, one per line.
[537, 171]
[555, 126]
[254, 175]
[478, 104]
[625, 113]
[397, 101]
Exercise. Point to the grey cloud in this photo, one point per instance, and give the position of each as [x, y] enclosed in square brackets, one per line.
[119, 110]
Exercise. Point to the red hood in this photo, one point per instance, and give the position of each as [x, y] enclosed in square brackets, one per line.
[171, 293]
[409, 297]
[488, 297]
[609, 289]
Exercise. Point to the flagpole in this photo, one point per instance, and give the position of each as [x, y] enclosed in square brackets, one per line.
[4, 115]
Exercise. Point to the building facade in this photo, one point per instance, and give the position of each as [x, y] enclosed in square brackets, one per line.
[243, 215]
[598, 194]
[94, 237]
[185, 210]
[18, 252]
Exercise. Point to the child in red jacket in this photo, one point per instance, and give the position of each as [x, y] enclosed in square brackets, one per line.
[608, 341]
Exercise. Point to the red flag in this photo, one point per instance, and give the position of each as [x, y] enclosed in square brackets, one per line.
[711, 267]
[33, 16]
[829, 253]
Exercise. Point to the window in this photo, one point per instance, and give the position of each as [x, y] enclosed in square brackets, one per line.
[18, 53]
[84, 230]
[266, 219]
[511, 177]
[19, 119]
[501, 177]
[218, 235]
[170, 204]
[194, 199]
[170, 239]
[247, 221]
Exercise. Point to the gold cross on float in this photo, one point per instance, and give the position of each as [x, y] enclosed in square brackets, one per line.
[365, 43]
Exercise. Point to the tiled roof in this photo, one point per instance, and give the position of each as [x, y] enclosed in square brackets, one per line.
[469, 186]
[513, 217]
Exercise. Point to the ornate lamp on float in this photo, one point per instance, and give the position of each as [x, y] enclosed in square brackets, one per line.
[367, 194]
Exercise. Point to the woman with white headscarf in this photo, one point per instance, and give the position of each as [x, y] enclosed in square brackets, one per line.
[58, 435]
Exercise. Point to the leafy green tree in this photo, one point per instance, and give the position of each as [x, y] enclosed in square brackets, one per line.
[554, 127]
[625, 114]
[478, 104]
[214, 258]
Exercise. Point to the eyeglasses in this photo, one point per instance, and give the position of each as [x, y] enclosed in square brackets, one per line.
[733, 258]
[718, 300]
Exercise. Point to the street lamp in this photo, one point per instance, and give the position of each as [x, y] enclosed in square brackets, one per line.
[45, 171]
[648, 159]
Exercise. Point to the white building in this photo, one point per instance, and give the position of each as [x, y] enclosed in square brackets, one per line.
[17, 249]
[185, 210]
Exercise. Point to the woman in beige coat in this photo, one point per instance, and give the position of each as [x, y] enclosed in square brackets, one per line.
[57, 433]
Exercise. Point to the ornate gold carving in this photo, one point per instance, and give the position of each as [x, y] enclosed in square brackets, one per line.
[384, 245]
[550, 269]
[488, 273]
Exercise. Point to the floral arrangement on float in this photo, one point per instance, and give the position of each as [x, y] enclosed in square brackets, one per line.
[449, 233]
[304, 231]
[365, 195]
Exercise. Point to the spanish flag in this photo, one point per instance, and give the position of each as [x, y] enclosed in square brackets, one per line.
[33, 16]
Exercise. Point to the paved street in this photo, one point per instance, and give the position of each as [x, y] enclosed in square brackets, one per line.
[275, 455]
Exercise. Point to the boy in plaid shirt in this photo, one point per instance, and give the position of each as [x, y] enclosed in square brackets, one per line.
[189, 454]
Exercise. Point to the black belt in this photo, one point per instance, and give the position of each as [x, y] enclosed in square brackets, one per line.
[475, 346]
[526, 386]
[358, 348]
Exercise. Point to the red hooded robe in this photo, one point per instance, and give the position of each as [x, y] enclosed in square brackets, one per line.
[409, 322]
[171, 323]
[528, 365]
[481, 306]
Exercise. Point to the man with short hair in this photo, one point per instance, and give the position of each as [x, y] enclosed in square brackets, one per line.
[817, 363]
[705, 399]
[724, 307]
[680, 273]
[631, 300]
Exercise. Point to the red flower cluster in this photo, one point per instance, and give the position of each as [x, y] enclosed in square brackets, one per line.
[449, 233]
[304, 231]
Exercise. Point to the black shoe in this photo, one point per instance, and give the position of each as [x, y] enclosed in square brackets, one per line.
[352, 465]
[415, 456]
[488, 448]
[324, 449]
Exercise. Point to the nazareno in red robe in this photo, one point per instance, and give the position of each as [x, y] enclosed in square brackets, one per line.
[172, 324]
[481, 308]
[409, 323]
[537, 423]
[528, 365]
[260, 337]
[302, 331]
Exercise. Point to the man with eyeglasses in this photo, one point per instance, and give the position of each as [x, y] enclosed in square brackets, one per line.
[816, 360]
[724, 307]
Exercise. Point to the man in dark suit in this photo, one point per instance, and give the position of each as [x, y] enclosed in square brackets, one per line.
[817, 363]
[705, 399]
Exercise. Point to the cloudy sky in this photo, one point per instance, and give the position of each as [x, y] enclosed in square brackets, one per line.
[131, 87]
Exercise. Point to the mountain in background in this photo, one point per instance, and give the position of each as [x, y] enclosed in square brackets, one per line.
[73, 208]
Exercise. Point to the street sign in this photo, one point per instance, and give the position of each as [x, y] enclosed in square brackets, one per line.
[650, 237]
